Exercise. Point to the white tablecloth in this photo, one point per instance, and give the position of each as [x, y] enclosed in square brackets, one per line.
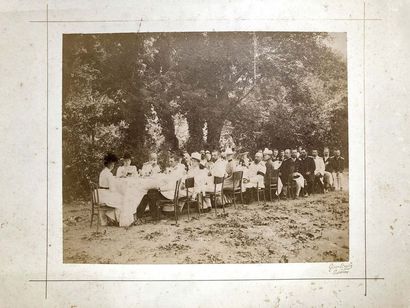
[130, 192]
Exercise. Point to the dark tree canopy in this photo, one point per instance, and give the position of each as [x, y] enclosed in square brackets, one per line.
[122, 92]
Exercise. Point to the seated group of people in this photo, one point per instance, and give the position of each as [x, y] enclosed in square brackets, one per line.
[296, 171]
[312, 173]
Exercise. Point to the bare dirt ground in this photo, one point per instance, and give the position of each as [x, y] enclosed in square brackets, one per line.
[311, 229]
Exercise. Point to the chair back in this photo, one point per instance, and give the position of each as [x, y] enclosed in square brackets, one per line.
[189, 183]
[219, 180]
[274, 176]
[95, 198]
[237, 180]
[176, 193]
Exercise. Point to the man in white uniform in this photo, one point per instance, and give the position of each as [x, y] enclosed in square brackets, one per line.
[327, 177]
[254, 176]
[319, 171]
[256, 172]
[151, 167]
[230, 167]
[200, 179]
[176, 171]
[198, 174]
[219, 166]
[217, 169]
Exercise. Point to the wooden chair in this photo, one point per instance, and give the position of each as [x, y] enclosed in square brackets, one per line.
[163, 202]
[260, 190]
[318, 186]
[217, 193]
[291, 188]
[190, 183]
[96, 206]
[236, 188]
[272, 183]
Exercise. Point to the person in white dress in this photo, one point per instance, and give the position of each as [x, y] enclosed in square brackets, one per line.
[107, 190]
[126, 169]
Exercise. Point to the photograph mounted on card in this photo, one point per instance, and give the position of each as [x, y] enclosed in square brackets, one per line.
[205, 147]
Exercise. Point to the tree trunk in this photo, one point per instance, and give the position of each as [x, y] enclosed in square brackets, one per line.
[168, 129]
[214, 133]
[136, 134]
[195, 125]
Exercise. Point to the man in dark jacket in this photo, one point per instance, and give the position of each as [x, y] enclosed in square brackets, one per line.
[281, 155]
[290, 171]
[308, 171]
[337, 164]
[275, 155]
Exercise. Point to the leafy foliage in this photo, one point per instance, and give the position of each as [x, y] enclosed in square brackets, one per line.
[129, 92]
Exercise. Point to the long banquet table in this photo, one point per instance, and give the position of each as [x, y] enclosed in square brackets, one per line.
[131, 191]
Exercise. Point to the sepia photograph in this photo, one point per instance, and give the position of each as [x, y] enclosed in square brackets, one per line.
[205, 147]
[160, 152]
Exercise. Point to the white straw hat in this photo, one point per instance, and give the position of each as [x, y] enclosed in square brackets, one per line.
[266, 151]
[228, 151]
[196, 156]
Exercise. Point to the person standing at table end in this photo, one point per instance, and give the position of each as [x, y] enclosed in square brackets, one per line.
[319, 171]
[337, 163]
[328, 178]
[127, 169]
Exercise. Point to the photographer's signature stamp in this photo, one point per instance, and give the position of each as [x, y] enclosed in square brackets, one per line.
[341, 268]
